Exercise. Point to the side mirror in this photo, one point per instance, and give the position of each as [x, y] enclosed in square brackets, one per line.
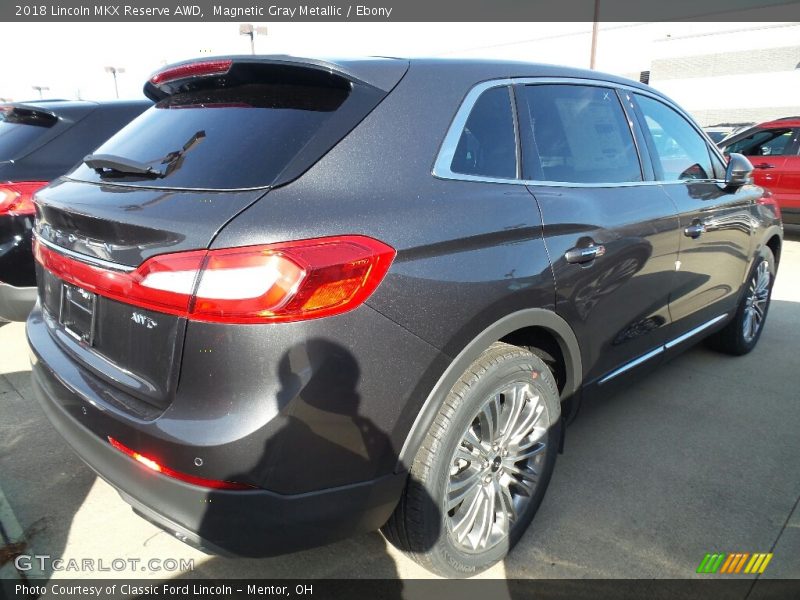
[739, 171]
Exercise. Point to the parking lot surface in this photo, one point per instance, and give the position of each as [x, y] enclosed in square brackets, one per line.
[700, 457]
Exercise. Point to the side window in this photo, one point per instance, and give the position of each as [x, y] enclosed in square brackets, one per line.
[488, 145]
[680, 152]
[764, 142]
[580, 135]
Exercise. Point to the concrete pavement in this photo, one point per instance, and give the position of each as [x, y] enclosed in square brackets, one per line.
[700, 457]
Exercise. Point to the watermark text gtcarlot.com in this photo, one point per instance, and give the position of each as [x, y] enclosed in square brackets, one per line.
[45, 562]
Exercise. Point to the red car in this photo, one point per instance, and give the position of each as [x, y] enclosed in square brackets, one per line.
[773, 148]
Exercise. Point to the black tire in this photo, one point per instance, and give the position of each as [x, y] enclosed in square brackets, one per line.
[732, 338]
[419, 524]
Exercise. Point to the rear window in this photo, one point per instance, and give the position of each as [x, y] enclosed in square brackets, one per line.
[239, 137]
[20, 129]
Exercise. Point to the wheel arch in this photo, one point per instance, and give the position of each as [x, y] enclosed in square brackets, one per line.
[523, 320]
[774, 243]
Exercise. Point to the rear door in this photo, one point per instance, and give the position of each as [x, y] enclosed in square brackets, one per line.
[716, 224]
[612, 235]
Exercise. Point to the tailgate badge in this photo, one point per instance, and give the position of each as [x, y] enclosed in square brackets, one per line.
[141, 319]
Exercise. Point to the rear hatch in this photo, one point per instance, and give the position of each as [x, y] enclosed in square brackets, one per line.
[216, 141]
[26, 127]
[22, 129]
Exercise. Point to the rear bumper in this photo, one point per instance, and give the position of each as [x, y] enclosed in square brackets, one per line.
[245, 523]
[16, 302]
[258, 522]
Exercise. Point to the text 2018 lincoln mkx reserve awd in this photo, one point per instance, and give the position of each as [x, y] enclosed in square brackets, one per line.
[299, 299]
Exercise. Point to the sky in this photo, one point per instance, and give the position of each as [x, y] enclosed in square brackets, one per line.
[70, 59]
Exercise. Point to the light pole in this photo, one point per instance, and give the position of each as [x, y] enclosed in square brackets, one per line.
[594, 33]
[250, 30]
[114, 71]
[40, 89]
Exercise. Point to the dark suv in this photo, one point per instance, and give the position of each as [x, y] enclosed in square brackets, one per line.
[296, 299]
[38, 142]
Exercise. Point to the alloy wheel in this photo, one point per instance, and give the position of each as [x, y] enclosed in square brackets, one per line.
[756, 302]
[495, 469]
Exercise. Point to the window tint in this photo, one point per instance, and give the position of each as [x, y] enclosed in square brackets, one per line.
[680, 152]
[580, 135]
[488, 146]
[716, 136]
[226, 138]
[769, 142]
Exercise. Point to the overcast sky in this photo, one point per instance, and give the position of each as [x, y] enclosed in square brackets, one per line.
[70, 58]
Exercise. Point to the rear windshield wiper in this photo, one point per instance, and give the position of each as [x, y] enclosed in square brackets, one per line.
[105, 163]
[174, 160]
[110, 163]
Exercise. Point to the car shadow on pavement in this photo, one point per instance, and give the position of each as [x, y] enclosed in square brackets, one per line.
[44, 482]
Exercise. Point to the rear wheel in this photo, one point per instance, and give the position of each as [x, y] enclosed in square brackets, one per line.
[741, 335]
[482, 471]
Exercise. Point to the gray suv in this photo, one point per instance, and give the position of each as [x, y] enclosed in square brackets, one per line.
[296, 299]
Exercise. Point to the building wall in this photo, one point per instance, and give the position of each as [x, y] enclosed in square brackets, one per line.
[748, 75]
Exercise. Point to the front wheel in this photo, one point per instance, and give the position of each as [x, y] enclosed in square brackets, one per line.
[741, 334]
[482, 471]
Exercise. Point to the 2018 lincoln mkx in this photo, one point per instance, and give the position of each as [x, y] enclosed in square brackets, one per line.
[300, 299]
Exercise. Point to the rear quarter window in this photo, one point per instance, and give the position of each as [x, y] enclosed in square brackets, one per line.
[487, 146]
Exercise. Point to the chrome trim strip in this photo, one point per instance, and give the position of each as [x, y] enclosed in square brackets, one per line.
[84, 258]
[655, 352]
[634, 363]
[693, 332]
[444, 159]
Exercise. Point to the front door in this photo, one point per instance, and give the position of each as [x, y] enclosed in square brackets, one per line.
[715, 224]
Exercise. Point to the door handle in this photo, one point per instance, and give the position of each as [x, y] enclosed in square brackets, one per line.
[764, 166]
[695, 230]
[585, 254]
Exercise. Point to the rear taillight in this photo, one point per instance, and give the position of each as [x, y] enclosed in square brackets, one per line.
[203, 68]
[156, 466]
[16, 197]
[290, 281]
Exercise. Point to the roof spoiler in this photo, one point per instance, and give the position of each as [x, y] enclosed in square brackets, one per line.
[380, 73]
[28, 115]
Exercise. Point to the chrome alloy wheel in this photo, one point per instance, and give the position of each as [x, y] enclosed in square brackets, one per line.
[756, 302]
[495, 469]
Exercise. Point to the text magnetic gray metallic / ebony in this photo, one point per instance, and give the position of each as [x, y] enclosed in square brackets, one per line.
[300, 299]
